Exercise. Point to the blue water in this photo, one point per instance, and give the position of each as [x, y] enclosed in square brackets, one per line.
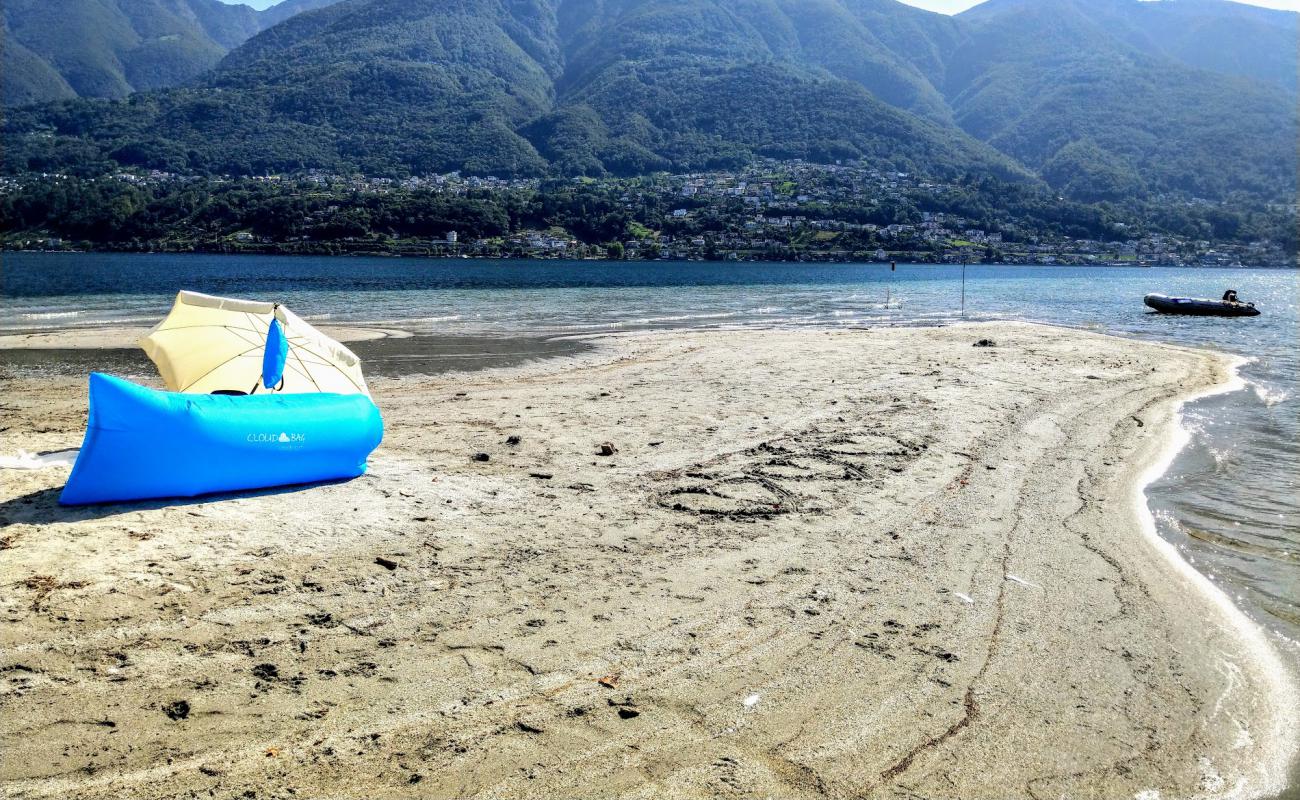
[1230, 501]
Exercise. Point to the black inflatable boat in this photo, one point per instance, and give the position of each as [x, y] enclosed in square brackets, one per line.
[1199, 307]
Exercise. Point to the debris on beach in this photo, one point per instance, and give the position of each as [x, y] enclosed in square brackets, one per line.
[26, 460]
[266, 672]
[751, 700]
[177, 710]
[386, 563]
[965, 598]
[513, 439]
[481, 457]
[606, 449]
[545, 476]
[1022, 581]
[985, 343]
[42, 586]
[609, 681]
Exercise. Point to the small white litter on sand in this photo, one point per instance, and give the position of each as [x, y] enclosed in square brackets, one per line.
[1011, 577]
[1147, 794]
[751, 701]
[26, 460]
[965, 598]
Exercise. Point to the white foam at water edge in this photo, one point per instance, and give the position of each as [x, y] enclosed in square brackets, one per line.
[684, 317]
[69, 324]
[1280, 742]
[408, 321]
[49, 314]
[1269, 395]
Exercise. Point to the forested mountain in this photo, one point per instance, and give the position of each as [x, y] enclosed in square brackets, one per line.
[1100, 98]
[110, 48]
[1230, 38]
[281, 11]
[1061, 86]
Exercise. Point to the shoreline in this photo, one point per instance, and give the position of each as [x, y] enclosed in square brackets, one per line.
[1137, 470]
[901, 257]
[907, 257]
[1253, 638]
[386, 352]
[113, 336]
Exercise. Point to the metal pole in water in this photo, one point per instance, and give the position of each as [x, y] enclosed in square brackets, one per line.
[963, 288]
[889, 285]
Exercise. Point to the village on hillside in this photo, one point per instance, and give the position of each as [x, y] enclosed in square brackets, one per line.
[769, 210]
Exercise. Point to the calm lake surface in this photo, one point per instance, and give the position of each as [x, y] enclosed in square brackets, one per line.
[1229, 501]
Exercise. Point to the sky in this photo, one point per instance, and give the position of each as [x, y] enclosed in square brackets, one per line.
[942, 6]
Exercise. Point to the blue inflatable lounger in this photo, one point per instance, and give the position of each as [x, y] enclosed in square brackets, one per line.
[142, 443]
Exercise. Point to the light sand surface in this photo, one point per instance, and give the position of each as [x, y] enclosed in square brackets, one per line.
[865, 563]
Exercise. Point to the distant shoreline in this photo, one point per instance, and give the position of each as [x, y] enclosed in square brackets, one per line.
[901, 259]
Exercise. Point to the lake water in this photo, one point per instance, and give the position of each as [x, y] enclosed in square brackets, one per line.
[1229, 501]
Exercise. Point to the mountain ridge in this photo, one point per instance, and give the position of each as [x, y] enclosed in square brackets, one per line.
[1068, 91]
[111, 48]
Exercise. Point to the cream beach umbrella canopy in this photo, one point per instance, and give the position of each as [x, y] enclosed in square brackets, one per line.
[209, 344]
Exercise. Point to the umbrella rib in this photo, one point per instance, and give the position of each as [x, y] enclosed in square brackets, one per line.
[204, 325]
[293, 369]
[296, 349]
[239, 333]
[331, 363]
[217, 367]
[302, 342]
[304, 369]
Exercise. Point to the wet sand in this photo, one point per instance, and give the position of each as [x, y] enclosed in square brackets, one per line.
[384, 356]
[126, 337]
[820, 564]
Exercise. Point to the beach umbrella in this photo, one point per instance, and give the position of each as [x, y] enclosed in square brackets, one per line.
[216, 344]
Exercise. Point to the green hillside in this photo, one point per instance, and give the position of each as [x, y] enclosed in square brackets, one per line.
[397, 86]
[1081, 93]
[28, 78]
[1057, 85]
[110, 48]
[1229, 38]
[824, 37]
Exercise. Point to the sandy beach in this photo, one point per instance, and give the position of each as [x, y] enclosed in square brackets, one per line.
[852, 563]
